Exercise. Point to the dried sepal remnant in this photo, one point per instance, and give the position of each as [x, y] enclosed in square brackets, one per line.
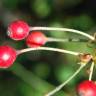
[85, 58]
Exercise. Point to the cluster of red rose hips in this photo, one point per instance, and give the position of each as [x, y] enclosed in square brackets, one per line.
[19, 30]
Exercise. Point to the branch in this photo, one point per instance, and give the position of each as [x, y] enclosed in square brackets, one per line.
[48, 49]
[91, 71]
[49, 39]
[63, 29]
[63, 84]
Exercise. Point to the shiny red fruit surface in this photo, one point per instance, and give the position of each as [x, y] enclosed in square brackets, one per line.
[18, 30]
[36, 39]
[86, 88]
[7, 56]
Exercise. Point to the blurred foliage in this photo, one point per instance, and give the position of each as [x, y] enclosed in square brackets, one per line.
[36, 73]
[41, 8]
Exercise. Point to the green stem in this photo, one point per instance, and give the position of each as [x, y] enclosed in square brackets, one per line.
[91, 71]
[48, 49]
[63, 29]
[66, 40]
[63, 84]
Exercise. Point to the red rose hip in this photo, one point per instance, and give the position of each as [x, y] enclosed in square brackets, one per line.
[86, 88]
[18, 30]
[36, 39]
[7, 56]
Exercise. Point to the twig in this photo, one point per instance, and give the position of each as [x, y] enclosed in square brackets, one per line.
[49, 49]
[63, 29]
[63, 84]
[91, 71]
[65, 40]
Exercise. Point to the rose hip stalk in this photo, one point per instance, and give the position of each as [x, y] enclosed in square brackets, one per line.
[38, 38]
[8, 54]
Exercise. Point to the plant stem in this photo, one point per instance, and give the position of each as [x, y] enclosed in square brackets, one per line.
[63, 84]
[91, 71]
[49, 49]
[65, 40]
[63, 29]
